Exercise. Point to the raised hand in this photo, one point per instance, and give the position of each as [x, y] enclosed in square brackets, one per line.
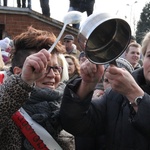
[34, 66]
[90, 72]
[91, 75]
[123, 82]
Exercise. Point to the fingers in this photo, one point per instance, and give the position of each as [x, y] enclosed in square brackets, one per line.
[119, 78]
[38, 61]
[42, 59]
[112, 72]
[34, 66]
[91, 72]
[91, 68]
[88, 68]
[112, 69]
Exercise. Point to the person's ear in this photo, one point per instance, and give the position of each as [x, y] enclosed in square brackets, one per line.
[17, 70]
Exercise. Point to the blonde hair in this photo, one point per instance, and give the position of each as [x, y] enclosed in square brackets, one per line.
[145, 42]
[133, 44]
[62, 61]
[76, 62]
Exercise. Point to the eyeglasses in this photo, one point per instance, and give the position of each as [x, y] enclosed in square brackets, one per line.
[56, 69]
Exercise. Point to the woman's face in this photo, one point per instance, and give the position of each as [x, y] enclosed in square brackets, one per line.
[71, 66]
[52, 76]
[146, 64]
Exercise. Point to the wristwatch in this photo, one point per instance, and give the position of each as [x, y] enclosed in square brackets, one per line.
[136, 102]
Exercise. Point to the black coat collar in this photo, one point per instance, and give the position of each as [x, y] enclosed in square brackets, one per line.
[140, 79]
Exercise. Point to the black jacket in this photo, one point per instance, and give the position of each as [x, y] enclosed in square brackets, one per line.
[111, 115]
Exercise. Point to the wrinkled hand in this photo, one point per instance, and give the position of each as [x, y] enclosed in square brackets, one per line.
[121, 80]
[34, 66]
[91, 73]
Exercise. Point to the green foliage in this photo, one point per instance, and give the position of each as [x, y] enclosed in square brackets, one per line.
[143, 24]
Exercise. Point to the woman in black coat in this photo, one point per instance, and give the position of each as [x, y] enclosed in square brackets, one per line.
[122, 113]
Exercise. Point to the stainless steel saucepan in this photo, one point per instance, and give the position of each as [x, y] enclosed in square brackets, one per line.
[104, 37]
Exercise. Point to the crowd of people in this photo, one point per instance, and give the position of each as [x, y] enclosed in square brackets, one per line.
[81, 105]
[38, 93]
[118, 118]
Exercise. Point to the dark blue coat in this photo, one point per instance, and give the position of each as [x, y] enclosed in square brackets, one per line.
[111, 115]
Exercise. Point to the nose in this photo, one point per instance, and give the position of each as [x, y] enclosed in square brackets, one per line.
[51, 73]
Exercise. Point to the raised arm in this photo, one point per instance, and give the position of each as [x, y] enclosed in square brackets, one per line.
[91, 74]
[123, 82]
[17, 88]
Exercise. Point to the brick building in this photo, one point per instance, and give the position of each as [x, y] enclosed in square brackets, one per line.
[14, 20]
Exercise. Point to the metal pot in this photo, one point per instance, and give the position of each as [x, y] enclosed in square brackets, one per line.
[104, 37]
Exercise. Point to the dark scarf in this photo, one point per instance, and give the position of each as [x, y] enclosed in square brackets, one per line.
[43, 107]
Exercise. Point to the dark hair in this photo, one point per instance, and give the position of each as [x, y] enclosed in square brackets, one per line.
[32, 41]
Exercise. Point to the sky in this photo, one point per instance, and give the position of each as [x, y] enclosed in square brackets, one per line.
[127, 9]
